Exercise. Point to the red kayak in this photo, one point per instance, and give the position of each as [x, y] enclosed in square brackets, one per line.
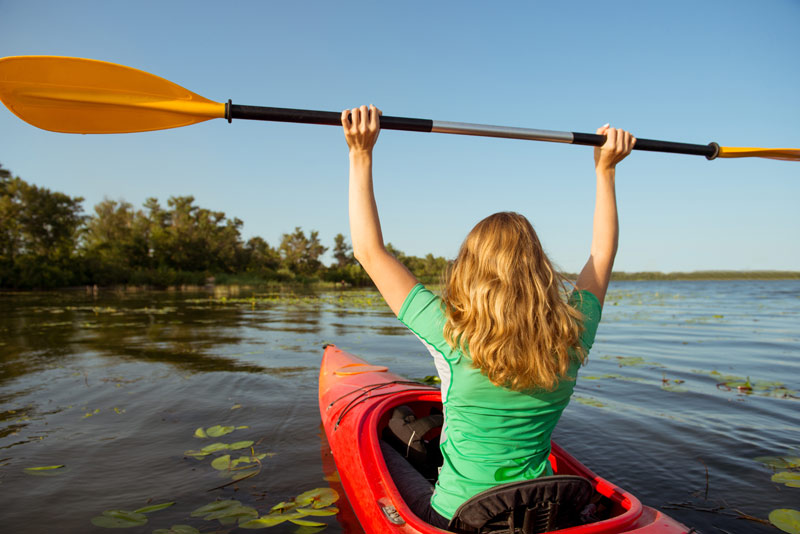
[356, 401]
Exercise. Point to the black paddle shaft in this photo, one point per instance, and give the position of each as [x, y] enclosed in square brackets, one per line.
[260, 113]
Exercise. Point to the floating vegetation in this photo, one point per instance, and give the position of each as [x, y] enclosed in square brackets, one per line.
[177, 529]
[126, 519]
[673, 385]
[788, 478]
[119, 519]
[431, 380]
[238, 469]
[631, 361]
[779, 462]
[226, 512]
[752, 387]
[46, 470]
[342, 300]
[589, 401]
[216, 431]
[154, 508]
[786, 519]
[316, 502]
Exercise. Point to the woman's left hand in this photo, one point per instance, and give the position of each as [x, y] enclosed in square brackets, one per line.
[362, 126]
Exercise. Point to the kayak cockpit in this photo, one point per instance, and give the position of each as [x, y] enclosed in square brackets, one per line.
[612, 509]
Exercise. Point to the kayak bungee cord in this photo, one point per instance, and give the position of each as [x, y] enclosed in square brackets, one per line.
[364, 388]
[77, 95]
[364, 394]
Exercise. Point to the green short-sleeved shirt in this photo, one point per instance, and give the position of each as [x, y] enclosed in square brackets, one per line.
[492, 435]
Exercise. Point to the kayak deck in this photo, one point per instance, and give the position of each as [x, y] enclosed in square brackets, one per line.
[356, 401]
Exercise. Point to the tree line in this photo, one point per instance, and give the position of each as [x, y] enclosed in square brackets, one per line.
[46, 241]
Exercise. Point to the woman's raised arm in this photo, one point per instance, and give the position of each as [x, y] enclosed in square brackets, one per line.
[605, 234]
[393, 280]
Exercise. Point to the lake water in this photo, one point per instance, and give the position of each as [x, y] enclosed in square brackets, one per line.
[114, 385]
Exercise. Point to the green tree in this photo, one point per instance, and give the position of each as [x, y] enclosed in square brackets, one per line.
[39, 232]
[186, 237]
[260, 257]
[429, 269]
[301, 254]
[342, 251]
[116, 241]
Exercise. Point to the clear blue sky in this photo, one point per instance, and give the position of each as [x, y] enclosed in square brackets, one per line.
[725, 71]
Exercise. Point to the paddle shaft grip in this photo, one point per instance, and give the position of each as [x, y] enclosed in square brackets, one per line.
[710, 150]
[331, 118]
[307, 116]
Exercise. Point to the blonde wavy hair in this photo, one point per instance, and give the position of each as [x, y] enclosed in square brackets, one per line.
[505, 306]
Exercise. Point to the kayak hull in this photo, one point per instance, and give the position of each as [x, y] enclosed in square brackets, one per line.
[356, 400]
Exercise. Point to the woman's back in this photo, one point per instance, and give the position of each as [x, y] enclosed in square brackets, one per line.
[492, 434]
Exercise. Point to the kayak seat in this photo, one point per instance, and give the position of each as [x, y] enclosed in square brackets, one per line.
[416, 439]
[526, 507]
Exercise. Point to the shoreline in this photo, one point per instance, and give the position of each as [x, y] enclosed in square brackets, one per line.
[621, 276]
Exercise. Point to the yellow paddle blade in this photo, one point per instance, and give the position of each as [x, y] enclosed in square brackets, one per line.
[787, 154]
[75, 95]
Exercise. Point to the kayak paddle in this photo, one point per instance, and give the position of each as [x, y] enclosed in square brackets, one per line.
[75, 95]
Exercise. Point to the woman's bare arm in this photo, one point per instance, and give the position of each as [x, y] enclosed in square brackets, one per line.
[605, 234]
[393, 280]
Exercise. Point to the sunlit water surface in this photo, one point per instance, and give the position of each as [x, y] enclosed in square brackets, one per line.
[113, 386]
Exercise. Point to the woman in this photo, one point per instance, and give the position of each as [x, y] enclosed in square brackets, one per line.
[506, 342]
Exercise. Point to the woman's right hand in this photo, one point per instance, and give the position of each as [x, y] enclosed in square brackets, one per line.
[618, 145]
[362, 126]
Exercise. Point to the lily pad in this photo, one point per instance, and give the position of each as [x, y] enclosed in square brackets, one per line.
[196, 454]
[223, 463]
[217, 430]
[779, 462]
[263, 522]
[215, 507]
[431, 380]
[283, 506]
[304, 523]
[200, 433]
[631, 361]
[248, 459]
[589, 401]
[177, 529]
[791, 479]
[45, 470]
[317, 498]
[240, 445]
[234, 512]
[320, 512]
[786, 519]
[215, 447]
[119, 519]
[154, 508]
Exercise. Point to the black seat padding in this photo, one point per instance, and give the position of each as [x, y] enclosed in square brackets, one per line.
[526, 507]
